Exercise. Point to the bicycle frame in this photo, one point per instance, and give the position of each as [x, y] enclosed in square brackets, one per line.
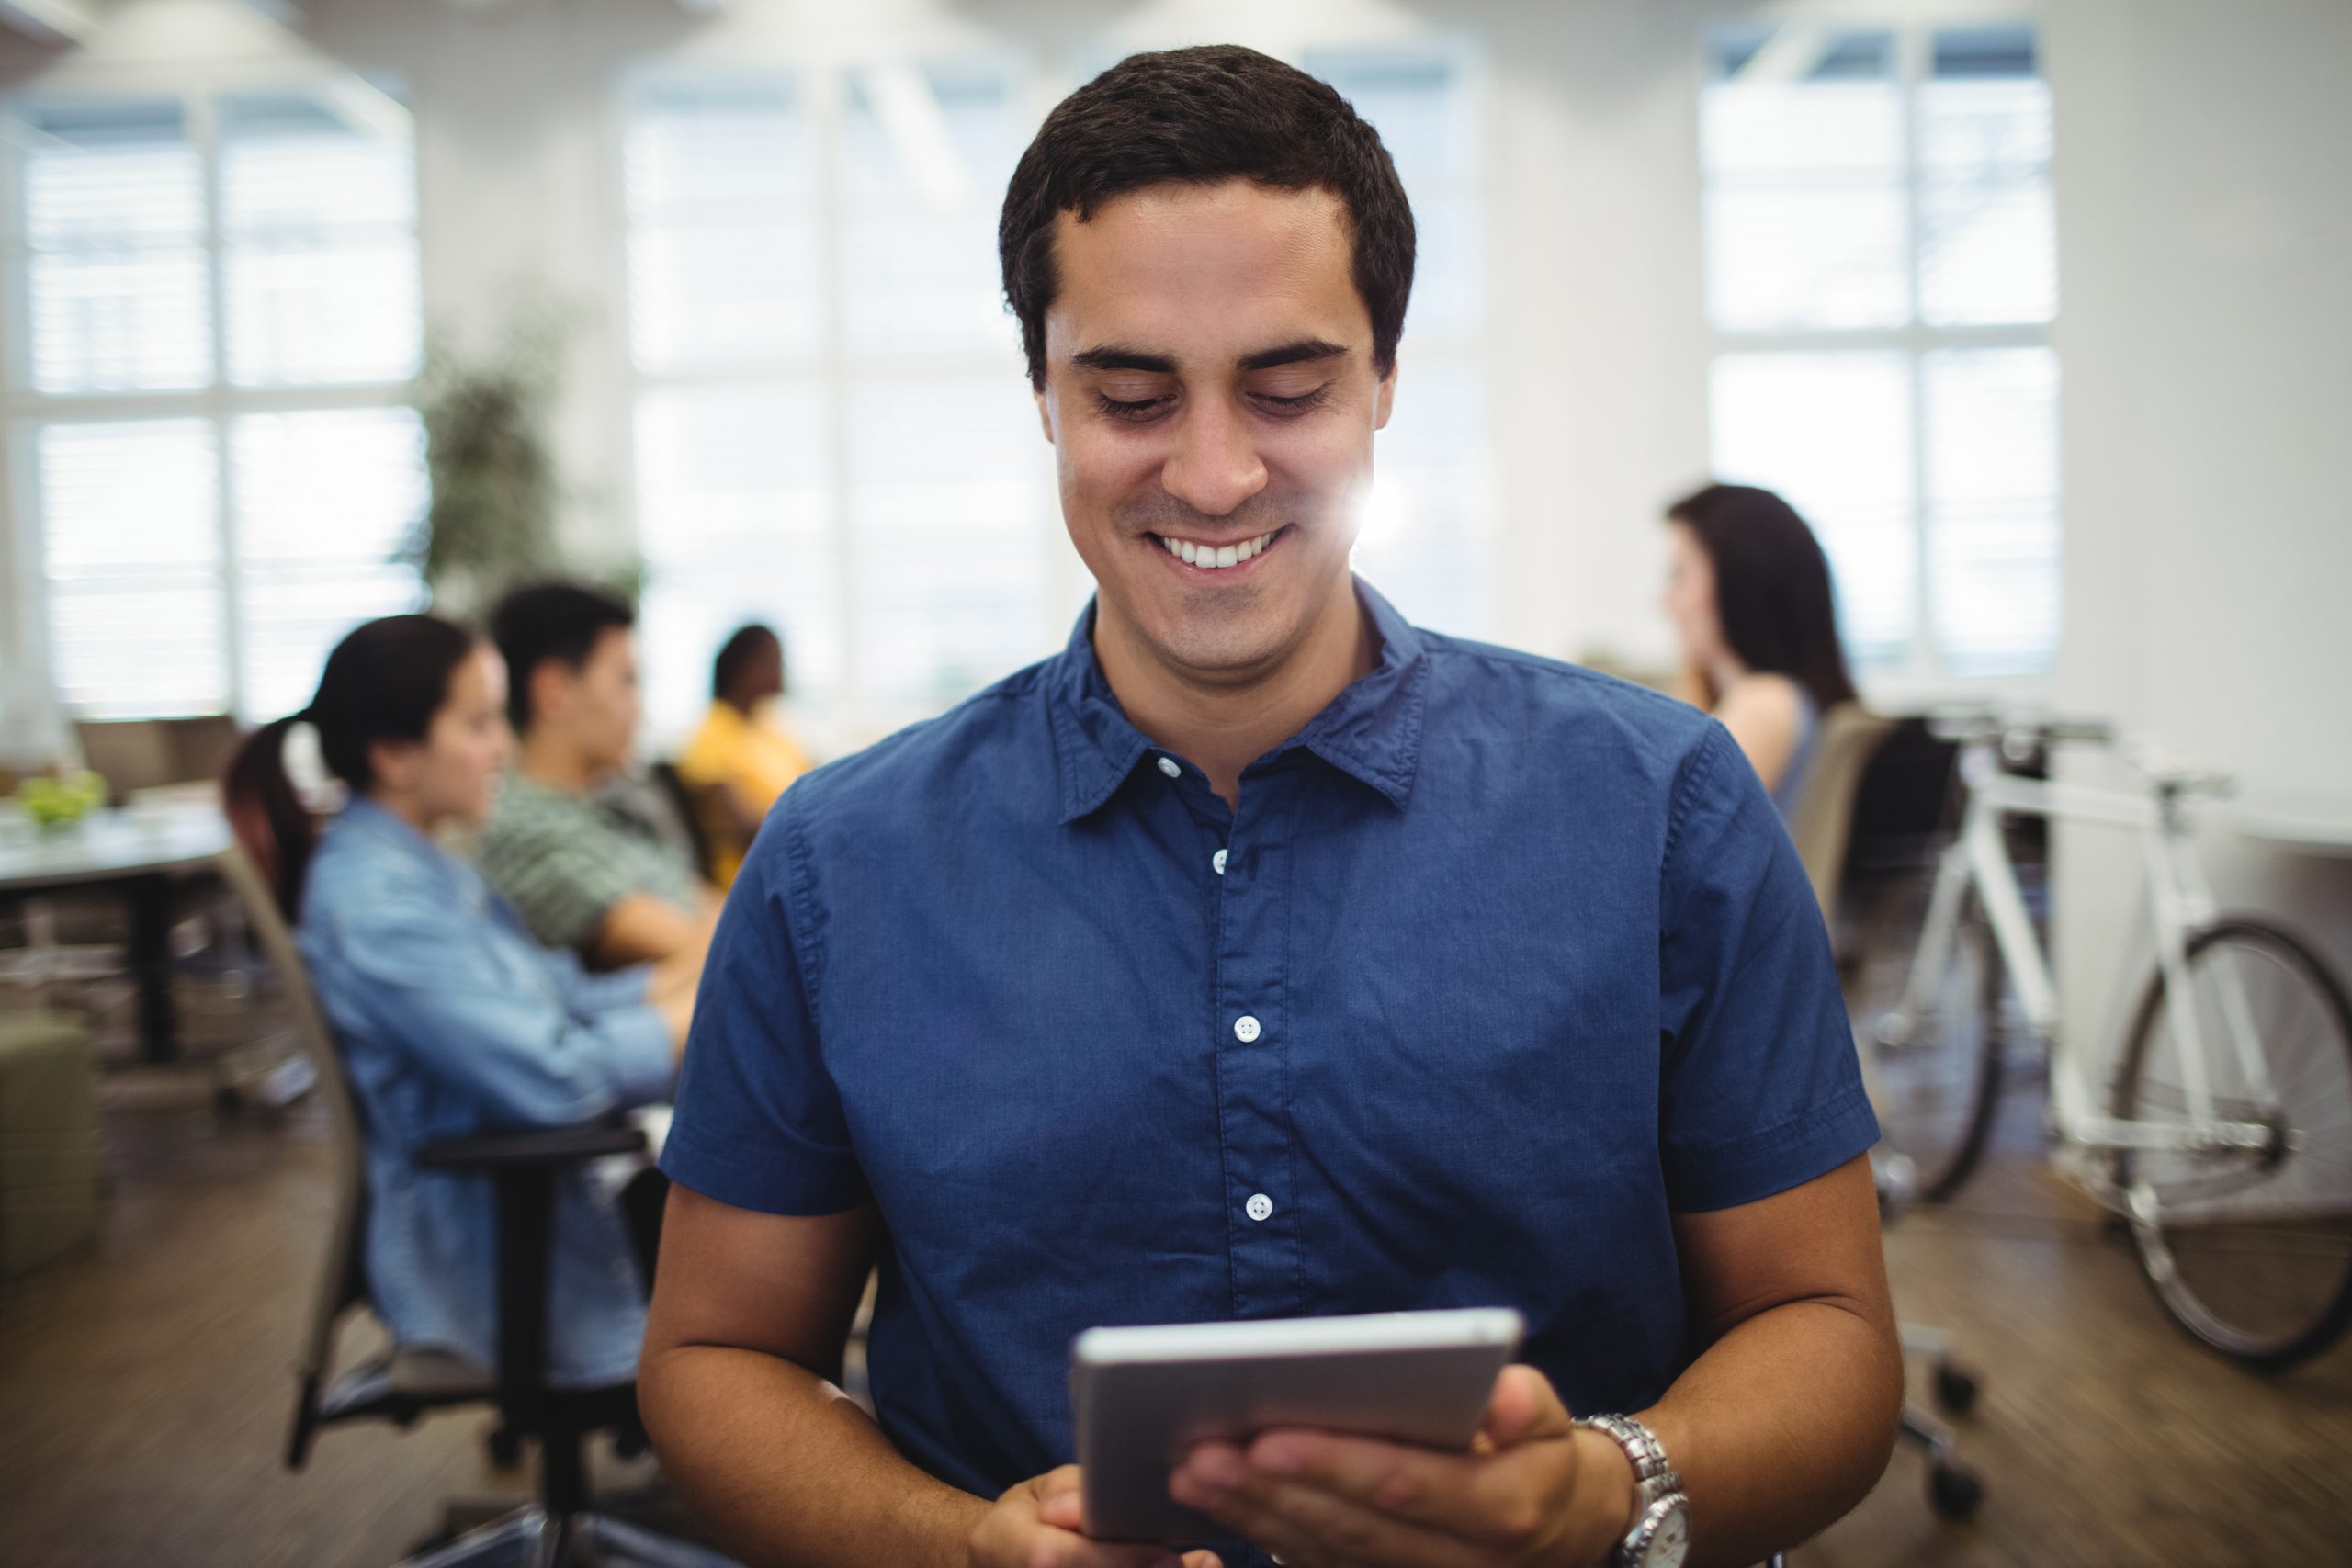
[2180, 901]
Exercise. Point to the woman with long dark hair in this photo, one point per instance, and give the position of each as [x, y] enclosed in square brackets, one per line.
[449, 1019]
[1750, 592]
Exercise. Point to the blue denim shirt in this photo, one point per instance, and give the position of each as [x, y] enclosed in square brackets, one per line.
[451, 1021]
[1499, 965]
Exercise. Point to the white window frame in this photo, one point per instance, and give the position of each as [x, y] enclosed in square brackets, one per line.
[1922, 677]
[847, 716]
[220, 402]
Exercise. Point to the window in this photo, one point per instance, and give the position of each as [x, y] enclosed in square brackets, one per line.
[1881, 272]
[220, 300]
[833, 432]
[1426, 539]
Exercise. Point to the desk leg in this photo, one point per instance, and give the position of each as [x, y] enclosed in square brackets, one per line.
[151, 966]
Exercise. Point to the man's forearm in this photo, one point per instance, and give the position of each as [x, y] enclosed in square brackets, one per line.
[783, 1467]
[1781, 1426]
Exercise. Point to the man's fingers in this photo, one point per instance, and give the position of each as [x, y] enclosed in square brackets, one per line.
[1469, 1496]
[1305, 1526]
[1523, 1408]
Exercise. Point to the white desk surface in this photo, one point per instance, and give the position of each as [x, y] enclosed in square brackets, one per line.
[150, 837]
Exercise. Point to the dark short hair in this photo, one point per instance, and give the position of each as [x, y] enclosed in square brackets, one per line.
[1202, 116]
[550, 620]
[737, 652]
[1773, 591]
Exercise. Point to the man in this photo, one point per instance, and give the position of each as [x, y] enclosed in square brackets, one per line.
[585, 871]
[1260, 956]
[739, 761]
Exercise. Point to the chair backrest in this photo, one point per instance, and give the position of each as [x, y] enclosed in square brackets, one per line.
[130, 754]
[1824, 815]
[202, 747]
[691, 808]
[343, 1283]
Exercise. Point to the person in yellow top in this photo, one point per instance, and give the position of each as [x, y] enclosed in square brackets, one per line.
[739, 761]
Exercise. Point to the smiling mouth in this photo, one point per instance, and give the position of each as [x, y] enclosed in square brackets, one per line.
[1216, 558]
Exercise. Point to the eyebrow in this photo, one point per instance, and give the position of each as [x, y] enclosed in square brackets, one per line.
[1111, 356]
[1304, 351]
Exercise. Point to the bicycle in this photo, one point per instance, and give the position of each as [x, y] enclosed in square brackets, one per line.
[2224, 1141]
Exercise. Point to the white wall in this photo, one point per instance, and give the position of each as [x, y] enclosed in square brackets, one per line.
[2205, 269]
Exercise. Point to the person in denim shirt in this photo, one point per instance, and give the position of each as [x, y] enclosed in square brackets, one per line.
[1264, 956]
[450, 1018]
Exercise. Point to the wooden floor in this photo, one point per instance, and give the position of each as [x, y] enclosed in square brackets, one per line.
[145, 1384]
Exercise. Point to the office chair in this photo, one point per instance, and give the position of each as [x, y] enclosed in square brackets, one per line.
[691, 806]
[1821, 828]
[402, 1383]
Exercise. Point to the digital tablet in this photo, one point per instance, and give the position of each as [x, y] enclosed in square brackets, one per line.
[1142, 1397]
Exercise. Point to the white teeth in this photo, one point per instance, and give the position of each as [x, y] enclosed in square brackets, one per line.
[1211, 558]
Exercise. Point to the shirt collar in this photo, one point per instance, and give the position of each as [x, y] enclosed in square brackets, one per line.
[1371, 731]
[386, 828]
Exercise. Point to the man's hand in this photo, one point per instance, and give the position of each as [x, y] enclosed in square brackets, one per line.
[1036, 1525]
[1533, 1492]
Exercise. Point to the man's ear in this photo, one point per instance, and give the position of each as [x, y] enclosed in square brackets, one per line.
[1384, 396]
[551, 681]
[1044, 414]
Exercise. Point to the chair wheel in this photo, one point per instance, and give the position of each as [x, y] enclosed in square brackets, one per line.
[1954, 1491]
[505, 1448]
[1956, 1390]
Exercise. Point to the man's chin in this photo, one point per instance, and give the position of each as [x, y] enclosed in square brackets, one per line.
[1231, 644]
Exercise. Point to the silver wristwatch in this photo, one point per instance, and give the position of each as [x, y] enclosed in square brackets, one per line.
[1660, 1536]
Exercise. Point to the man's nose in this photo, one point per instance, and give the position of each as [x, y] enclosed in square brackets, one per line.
[1215, 465]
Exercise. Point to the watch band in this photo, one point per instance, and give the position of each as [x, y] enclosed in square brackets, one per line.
[1651, 1472]
[1659, 1504]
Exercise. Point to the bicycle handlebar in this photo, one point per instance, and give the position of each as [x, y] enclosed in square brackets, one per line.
[1986, 725]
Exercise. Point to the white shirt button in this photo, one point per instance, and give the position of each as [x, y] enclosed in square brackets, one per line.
[1259, 1206]
[1218, 859]
[1168, 765]
[1245, 1029]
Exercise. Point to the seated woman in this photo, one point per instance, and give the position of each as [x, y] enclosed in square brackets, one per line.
[739, 761]
[1748, 590]
[450, 1018]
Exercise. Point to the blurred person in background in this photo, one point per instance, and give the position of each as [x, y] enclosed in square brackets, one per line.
[740, 761]
[1748, 590]
[586, 867]
[450, 1018]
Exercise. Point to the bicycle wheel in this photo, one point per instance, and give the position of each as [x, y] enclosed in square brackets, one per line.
[2249, 1251]
[1935, 1091]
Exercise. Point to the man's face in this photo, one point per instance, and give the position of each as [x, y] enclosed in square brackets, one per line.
[1209, 387]
[594, 707]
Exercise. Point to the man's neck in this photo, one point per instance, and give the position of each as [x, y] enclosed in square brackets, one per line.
[551, 760]
[1225, 728]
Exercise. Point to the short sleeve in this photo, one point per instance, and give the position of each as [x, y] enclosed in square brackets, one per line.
[1761, 1088]
[759, 1123]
